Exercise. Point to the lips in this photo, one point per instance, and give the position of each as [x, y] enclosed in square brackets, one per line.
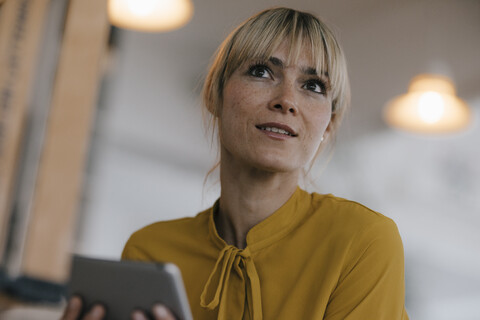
[277, 128]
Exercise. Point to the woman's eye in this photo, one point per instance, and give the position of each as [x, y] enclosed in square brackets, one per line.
[315, 86]
[259, 71]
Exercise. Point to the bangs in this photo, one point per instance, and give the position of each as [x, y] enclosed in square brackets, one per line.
[259, 38]
[261, 35]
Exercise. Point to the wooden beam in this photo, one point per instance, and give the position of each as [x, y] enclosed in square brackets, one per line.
[21, 24]
[58, 187]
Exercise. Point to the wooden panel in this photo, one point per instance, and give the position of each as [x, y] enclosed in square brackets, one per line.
[58, 187]
[21, 23]
[39, 107]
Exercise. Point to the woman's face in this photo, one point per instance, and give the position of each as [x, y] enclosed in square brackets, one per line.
[274, 115]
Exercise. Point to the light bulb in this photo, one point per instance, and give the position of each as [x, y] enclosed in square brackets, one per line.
[141, 7]
[431, 106]
[150, 15]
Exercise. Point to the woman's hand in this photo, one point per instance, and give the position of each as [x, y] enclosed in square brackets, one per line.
[74, 308]
[159, 312]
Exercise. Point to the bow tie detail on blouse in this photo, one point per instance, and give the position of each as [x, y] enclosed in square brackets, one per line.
[233, 283]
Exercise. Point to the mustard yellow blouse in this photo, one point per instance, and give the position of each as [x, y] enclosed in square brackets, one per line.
[317, 257]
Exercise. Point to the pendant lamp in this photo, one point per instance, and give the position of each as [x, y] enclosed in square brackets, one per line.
[429, 106]
[150, 15]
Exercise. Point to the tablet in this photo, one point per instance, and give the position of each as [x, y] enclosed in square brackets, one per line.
[125, 286]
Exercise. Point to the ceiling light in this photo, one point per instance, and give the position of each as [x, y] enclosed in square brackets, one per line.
[150, 15]
[429, 106]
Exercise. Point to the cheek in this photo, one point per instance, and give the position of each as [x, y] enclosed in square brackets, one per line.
[229, 108]
[318, 125]
[318, 122]
[233, 114]
[239, 104]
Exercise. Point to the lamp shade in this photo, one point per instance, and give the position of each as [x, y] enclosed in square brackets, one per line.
[150, 15]
[429, 106]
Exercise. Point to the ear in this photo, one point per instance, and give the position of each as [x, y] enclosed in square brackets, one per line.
[217, 106]
[215, 109]
[331, 124]
[217, 113]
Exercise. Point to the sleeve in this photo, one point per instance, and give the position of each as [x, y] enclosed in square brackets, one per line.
[131, 251]
[372, 284]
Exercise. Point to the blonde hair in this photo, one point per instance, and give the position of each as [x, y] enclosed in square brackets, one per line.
[259, 36]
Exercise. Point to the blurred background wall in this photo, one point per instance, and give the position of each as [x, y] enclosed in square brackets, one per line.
[149, 153]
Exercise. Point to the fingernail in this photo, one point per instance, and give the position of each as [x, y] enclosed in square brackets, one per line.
[74, 303]
[160, 311]
[137, 315]
[97, 311]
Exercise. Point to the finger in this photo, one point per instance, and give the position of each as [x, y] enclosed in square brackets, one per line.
[160, 312]
[138, 315]
[73, 309]
[96, 313]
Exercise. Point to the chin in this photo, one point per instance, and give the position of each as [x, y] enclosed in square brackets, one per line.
[274, 165]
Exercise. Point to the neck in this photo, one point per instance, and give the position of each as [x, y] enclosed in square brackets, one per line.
[248, 196]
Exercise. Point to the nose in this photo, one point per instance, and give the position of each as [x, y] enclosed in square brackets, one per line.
[284, 99]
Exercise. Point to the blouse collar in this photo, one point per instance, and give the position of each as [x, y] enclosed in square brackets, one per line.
[271, 229]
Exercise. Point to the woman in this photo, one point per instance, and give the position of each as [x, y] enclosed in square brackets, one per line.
[276, 92]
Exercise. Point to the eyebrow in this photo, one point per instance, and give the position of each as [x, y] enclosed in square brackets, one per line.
[276, 62]
[279, 63]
